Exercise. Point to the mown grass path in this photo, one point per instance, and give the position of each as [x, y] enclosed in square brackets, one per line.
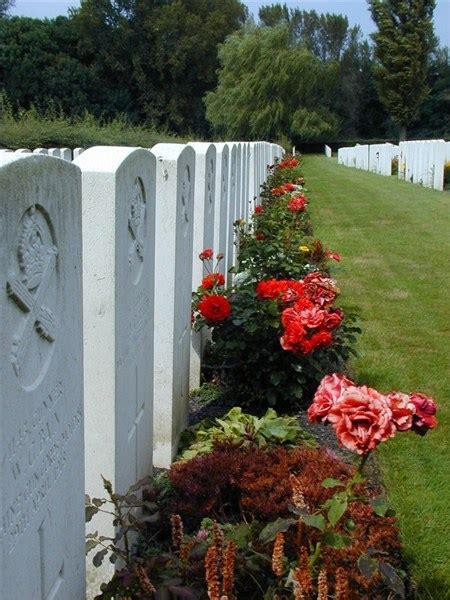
[394, 238]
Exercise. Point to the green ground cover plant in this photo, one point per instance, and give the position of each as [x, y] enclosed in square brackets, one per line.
[395, 246]
[31, 128]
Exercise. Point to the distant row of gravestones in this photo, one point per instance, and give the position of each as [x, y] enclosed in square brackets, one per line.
[98, 258]
[420, 161]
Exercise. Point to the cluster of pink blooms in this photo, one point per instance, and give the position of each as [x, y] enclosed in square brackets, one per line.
[309, 320]
[363, 418]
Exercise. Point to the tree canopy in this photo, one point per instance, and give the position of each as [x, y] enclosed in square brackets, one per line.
[403, 44]
[269, 87]
[5, 5]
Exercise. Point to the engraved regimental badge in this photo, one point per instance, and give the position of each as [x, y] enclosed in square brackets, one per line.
[31, 286]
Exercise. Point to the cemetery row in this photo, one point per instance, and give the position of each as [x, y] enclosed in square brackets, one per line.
[96, 358]
[421, 161]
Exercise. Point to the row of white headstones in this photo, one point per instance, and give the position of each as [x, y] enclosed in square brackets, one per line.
[419, 161]
[98, 258]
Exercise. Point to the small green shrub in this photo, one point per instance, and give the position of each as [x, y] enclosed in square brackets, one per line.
[244, 430]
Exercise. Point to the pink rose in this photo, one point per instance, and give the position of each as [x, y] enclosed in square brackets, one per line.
[362, 419]
[333, 319]
[326, 396]
[312, 317]
[402, 410]
[424, 411]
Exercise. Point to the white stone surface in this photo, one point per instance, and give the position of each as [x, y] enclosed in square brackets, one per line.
[118, 278]
[41, 375]
[66, 154]
[231, 216]
[222, 202]
[175, 176]
[40, 151]
[328, 152]
[55, 152]
[203, 235]
[78, 152]
[23, 151]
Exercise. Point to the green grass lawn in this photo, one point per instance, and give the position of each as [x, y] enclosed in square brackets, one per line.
[394, 238]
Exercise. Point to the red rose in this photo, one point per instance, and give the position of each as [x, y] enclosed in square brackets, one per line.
[320, 339]
[297, 204]
[212, 279]
[326, 396]
[268, 289]
[214, 308]
[259, 236]
[333, 255]
[333, 319]
[258, 209]
[321, 290]
[289, 187]
[293, 336]
[424, 411]
[206, 254]
[279, 191]
[362, 419]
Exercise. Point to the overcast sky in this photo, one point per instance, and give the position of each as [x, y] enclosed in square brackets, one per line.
[356, 11]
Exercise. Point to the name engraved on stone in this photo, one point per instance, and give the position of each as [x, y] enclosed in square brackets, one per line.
[139, 317]
[185, 199]
[31, 286]
[209, 182]
[36, 454]
[137, 214]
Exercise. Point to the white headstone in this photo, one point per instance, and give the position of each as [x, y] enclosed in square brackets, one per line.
[175, 176]
[328, 152]
[40, 151]
[77, 152]
[203, 236]
[118, 280]
[55, 152]
[222, 201]
[66, 154]
[233, 198]
[23, 151]
[41, 373]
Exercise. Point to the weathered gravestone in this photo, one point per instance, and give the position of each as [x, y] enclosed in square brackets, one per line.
[41, 375]
[175, 176]
[118, 187]
[222, 201]
[203, 235]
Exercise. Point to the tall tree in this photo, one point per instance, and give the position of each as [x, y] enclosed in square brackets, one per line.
[158, 57]
[5, 5]
[403, 44]
[269, 87]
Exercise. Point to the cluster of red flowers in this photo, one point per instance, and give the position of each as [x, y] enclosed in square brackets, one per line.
[259, 209]
[288, 163]
[309, 321]
[363, 418]
[298, 203]
[211, 280]
[213, 305]
[283, 189]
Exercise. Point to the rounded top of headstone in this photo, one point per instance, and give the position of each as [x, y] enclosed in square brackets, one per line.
[108, 159]
[171, 151]
[203, 147]
[11, 159]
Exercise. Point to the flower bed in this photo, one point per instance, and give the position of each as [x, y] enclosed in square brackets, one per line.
[253, 509]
